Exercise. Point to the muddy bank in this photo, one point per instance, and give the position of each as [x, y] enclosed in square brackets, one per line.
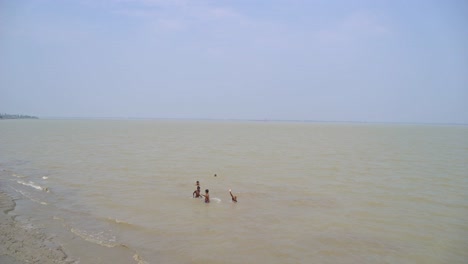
[20, 243]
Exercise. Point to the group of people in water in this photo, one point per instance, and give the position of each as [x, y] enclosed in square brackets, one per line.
[197, 194]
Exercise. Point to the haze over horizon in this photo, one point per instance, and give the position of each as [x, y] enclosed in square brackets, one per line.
[353, 61]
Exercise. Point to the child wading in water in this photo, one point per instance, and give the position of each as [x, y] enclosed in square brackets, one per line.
[207, 196]
[233, 198]
[196, 193]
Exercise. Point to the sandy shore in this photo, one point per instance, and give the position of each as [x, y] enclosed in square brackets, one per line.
[23, 244]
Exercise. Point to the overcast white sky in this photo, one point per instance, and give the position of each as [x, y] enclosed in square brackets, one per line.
[383, 61]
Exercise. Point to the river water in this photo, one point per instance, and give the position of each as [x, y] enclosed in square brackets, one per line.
[120, 191]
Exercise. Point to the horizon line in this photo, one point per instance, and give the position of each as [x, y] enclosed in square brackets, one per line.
[250, 120]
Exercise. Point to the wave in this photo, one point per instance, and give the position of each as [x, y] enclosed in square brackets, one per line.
[117, 221]
[124, 224]
[106, 240]
[96, 238]
[33, 185]
[29, 196]
[58, 218]
[215, 199]
[138, 259]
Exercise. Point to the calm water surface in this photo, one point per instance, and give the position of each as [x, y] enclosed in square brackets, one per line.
[120, 191]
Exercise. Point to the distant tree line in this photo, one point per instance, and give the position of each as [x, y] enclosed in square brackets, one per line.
[9, 116]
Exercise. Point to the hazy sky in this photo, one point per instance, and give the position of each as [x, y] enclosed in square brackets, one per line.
[389, 61]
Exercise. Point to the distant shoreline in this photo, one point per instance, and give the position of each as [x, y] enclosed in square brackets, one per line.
[254, 120]
[10, 116]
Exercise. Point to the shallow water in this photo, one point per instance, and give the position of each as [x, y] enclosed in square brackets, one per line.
[120, 190]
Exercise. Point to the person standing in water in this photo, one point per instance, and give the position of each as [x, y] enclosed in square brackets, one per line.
[233, 198]
[207, 196]
[196, 193]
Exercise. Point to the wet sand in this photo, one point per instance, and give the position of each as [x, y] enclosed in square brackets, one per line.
[23, 244]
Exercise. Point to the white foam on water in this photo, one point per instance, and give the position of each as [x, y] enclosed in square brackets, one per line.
[106, 240]
[96, 238]
[58, 218]
[45, 177]
[25, 194]
[138, 259]
[215, 199]
[33, 185]
[121, 222]
[118, 221]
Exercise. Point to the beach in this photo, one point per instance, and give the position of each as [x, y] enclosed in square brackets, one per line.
[22, 244]
[120, 191]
